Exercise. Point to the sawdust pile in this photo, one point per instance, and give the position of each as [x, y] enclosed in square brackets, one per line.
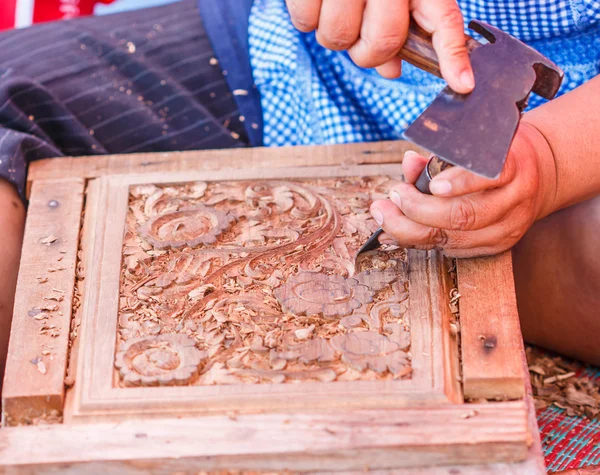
[556, 382]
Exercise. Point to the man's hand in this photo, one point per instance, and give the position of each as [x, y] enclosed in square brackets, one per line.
[468, 215]
[374, 31]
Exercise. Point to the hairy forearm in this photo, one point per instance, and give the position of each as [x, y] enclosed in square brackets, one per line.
[571, 127]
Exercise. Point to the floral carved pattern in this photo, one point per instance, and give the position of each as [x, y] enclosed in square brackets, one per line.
[328, 295]
[161, 360]
[188, 227]
[255, 282]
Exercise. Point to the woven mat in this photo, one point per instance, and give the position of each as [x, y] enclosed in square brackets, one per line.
[572, 441]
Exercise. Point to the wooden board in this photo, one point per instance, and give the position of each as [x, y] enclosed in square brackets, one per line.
[333, 441]
[328, 442]
[491, 339]
[256, 158]
[404, 419]
[37, 354]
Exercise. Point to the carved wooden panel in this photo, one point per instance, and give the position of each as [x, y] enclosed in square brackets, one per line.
[245, 289]
[254, 282]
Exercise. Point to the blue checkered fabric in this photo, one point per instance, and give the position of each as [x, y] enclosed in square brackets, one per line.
[311, 95]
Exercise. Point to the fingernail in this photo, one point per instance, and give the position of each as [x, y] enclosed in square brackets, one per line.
[467, 79]
[396, 199]
[440, 187]
[377, 216]
[388, 241]
[410, 153]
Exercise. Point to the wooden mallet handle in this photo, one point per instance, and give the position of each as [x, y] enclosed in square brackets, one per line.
[418, 49]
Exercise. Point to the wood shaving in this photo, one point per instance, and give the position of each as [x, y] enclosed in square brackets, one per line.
[49, 240]
[56, 298]
[41, 367]
[557, 381]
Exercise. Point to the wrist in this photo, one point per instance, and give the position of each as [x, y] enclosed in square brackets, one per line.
[540, 147]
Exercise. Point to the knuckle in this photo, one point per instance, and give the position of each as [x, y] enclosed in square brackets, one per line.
[455, 50]
[514, 235]
[338, 39]
[437, 237]
[385, 46]
[304, 24]
[452, 19]
[462, 216]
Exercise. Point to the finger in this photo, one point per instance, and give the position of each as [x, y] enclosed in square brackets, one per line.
[339, 23]
[444, 20]
[413, 165]
[392, 69]
[492, 250]
[304, 14]
[407, 233]
[457, 181]
[404, 231]
[383, 32]
[463, 213]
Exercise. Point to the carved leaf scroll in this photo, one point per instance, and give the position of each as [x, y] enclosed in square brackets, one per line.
[254, 282]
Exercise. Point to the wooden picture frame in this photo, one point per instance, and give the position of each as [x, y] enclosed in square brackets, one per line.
[62, 363]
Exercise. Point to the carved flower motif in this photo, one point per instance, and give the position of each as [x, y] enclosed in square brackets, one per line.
[309, 293]
[372, 350]
[160, 360]
[187, 227]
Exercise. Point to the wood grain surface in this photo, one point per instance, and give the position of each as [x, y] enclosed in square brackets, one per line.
[197, 160]
[339, 440]
[37, 354]
[491, 340]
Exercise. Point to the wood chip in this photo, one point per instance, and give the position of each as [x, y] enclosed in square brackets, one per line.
[559, 377]
[304, 333]
[49, 240]
[537, 369]
[56, 298]
[49, 307]
[580, 398]
[41, 367]
[469, 415]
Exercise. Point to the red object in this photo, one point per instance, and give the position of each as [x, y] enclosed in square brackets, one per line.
[21, 13]
[7, 14]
